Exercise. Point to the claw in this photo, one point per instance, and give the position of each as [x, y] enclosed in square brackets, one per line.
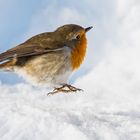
[74, 89]
[64, 90]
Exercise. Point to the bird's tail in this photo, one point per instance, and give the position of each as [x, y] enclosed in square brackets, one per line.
[8, 66]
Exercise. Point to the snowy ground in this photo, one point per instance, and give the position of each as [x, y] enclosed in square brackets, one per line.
[109, 109]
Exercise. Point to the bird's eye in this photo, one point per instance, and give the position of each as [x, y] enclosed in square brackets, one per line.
[78, 37]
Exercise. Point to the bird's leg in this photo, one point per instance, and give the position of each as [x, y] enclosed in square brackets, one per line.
[64, 90]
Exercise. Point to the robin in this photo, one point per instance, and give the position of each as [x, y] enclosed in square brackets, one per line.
[49, 58]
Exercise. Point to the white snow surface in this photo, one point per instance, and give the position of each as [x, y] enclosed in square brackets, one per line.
[108, 109]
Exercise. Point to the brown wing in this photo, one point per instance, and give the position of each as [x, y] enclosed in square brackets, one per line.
[37, 45]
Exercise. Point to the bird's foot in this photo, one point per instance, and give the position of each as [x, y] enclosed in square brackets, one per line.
[65, 89]
[72, 88]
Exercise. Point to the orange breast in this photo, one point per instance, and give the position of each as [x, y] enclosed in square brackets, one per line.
[78, 53]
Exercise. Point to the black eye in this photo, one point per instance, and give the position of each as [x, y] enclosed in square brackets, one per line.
[78, 37]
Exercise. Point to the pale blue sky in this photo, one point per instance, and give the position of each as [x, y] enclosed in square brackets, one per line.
[15, 18]
[20, 20]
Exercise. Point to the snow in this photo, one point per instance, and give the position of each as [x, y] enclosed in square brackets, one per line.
[108, 109]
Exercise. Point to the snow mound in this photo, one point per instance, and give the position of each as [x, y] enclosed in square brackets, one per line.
[108, 109]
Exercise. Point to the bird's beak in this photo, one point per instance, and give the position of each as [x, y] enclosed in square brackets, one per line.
[88, 28]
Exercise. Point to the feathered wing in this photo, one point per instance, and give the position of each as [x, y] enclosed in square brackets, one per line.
[32, 47]
[28, 50]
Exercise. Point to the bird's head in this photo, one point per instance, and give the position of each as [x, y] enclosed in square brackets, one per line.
[71, 33]
[74, 36]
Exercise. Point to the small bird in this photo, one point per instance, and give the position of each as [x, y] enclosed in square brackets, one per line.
[49, 58]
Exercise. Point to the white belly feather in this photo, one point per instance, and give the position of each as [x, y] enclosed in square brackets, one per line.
[50, 69]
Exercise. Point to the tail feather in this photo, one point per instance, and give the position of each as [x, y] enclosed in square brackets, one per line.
[8, 65]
